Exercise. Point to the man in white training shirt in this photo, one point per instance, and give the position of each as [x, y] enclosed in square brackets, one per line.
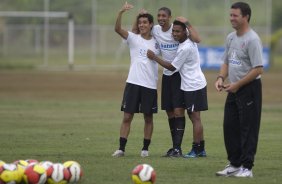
[193, 82]
[140, 93]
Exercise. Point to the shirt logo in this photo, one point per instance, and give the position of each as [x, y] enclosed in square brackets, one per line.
[143, 52]
[172, 46]
[243, 44]
[233, 60]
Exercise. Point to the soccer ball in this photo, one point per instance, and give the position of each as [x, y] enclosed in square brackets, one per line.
[35, 174]
[21, 163]
[143, 174]
[57, 174]
[31, 161]
[9, 174]
[1, 163]
[75, 171]
[21, 166]
[46, 164]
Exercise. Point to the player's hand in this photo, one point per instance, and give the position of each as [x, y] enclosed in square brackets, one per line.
[143, 11]
[184, 21]
[219, 84]
[232, 88]
[181, 19]
[126, 7]
[150, 54]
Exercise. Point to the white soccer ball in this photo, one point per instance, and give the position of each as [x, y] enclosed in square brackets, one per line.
[75, 171]
[9, 174]
[46, 164]
[143, 173]
[57, 174]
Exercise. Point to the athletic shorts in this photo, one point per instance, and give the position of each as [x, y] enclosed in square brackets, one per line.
[196, 100]
[172, 96]
[139, 99]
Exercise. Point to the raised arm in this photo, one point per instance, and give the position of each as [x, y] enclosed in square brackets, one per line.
[151, 55]
[193, 34]
[122, 32]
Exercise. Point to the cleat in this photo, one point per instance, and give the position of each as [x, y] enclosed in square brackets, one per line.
[118, 153]
[229, 170]
[193, 154]
[202, 154]
[244, 173]
[168, 153]
[176, 153]
[144, 153]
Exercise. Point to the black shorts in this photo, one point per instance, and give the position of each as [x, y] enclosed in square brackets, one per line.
[196, 100]
[172, 95]
[139, 99]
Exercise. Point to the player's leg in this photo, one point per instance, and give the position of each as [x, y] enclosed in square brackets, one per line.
[196, 101]
[231, 130]
[198, 129]
[166, 104]
[198, 145]
[125, 125]
[130, 104]
[179, 129]
[177, 103]
[148, 106]
[250, 101]
[148, 131]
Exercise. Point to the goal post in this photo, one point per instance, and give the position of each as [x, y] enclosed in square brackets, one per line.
[49, 14]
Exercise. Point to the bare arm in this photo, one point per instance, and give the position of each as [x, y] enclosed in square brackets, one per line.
[193, 34]
[122, 32]
[151, 55]
[223, 73]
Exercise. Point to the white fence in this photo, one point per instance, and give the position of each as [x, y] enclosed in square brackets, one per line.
[94, 46]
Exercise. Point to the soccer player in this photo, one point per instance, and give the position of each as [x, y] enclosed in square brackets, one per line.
[172, 96]
[140, 93]
[193, 82]
[242, 112]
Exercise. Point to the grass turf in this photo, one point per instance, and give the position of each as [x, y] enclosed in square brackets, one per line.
[60, 116]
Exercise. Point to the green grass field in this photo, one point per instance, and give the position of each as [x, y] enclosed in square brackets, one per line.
[60, 116]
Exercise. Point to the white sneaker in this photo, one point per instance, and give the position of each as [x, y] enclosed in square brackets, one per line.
[118, 153]
[144, 153]
[229, 170]
[244, 173]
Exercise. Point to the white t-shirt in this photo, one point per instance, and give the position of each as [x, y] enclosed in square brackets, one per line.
[142, 71]
[187, 62]
[168, 45]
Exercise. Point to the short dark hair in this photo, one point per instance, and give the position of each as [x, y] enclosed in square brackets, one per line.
[244, 7]
[167, 10]
[177, 22]
[146, 15]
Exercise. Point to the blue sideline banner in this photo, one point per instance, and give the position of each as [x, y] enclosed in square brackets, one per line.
[211, 57]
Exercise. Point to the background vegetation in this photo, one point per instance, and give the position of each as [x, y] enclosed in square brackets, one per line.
[95, 42]
[83, 10]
